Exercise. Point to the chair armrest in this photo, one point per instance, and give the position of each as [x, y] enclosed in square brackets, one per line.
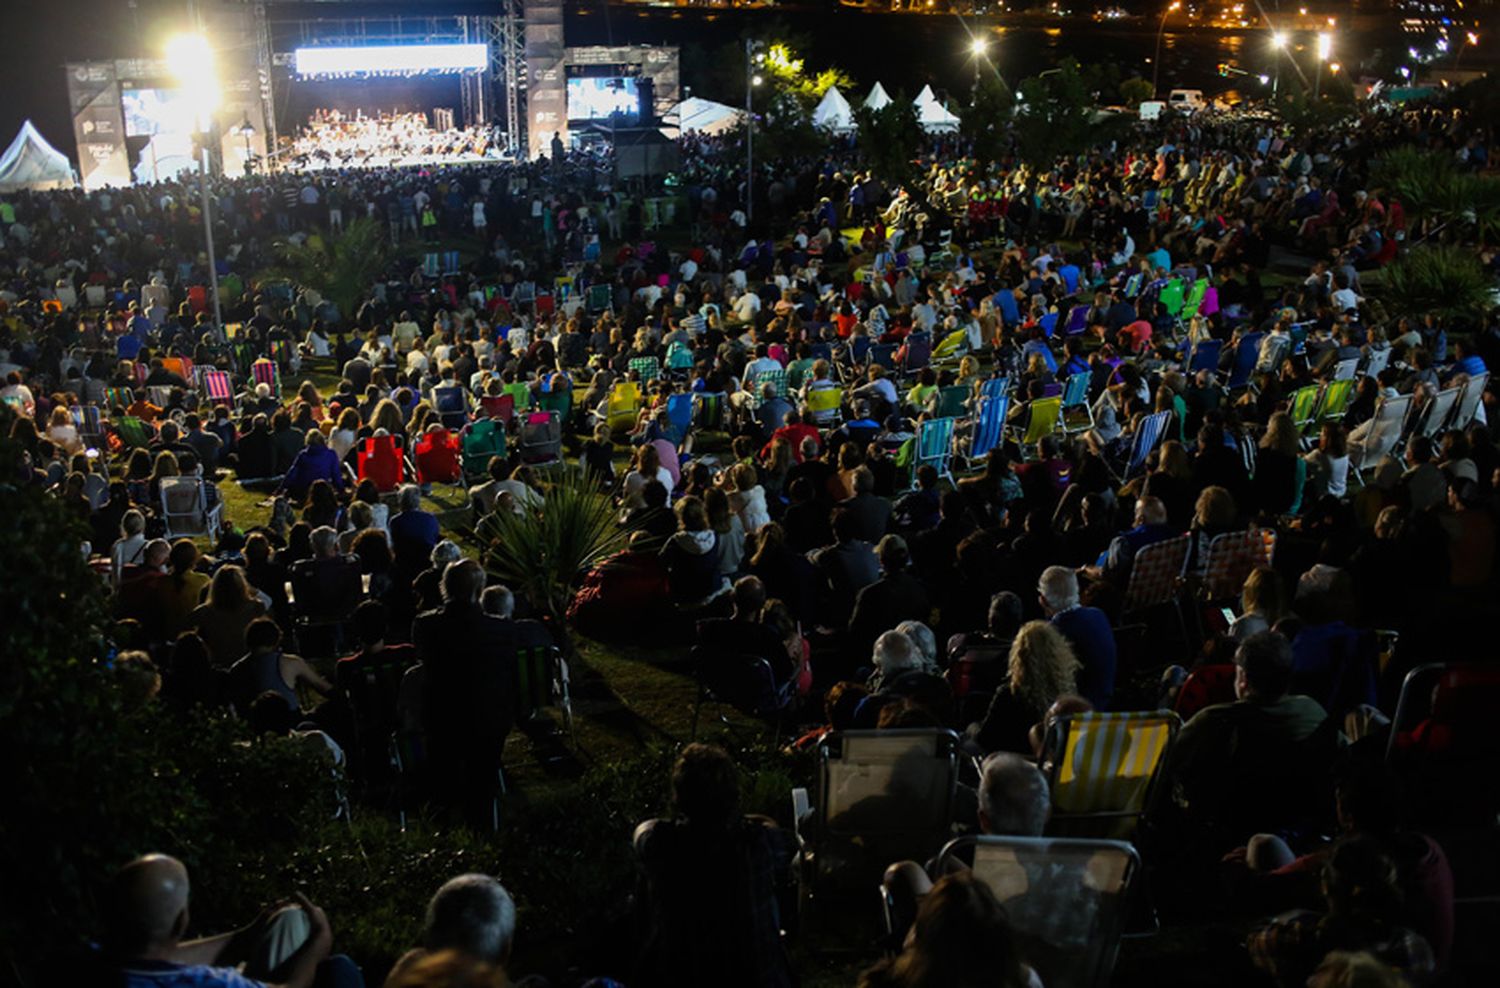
[801, 809]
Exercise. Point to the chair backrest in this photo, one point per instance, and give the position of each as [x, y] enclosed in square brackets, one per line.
[541, 437]
[1384, 434]
[1103, 768]
[1376, 361]
[883, 354]
[1439, 410]
[1148, 435]
[1078, 320]
[1468, 403]
[183, 507]
[989, 426]
[218, 386]
[649, 368]
[776, 377]
[955, 344]
[501, 408]
[1205, 686]
[380, 462]
[935, 442]
[708, 409]
[1246, 355]
[825, 402]
[1077, 390]
[1171, 297]
[1304, 406]
[899, 784]
[744, 681]
[1133, 284]
[437, 456]
[1445, 739]
[1205, 356]
[1066, 899]
[950, 403]
[1231, 557]
[266, 372]
[995, 387]
[1154, 573]
[133, 432]
[482, 440]
[1345, 370]
[1044, 417]
[679, 356]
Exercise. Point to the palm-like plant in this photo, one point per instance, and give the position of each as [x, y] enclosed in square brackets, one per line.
[1439, 279]
[1436, 193]
[340, 266]
[543, 553]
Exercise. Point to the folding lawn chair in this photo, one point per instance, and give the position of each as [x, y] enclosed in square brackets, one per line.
[185, 510]
[1205, 356]
[438, 457]
[1383, 434]
[1078, 320]
[623, 406]
[451, 402]
[1439, 410]
[1334, 401]
[1304, 406]
[826, 405]
[541, 438]
[379, 461]
[935, 446]
[1104, 766]
[1043, 418]
[1229, 559]
[483, 439]
[1467, 408]
[989, 428]
[267, 372]
[218, 387]
[1148, 435]
[648, 368]
[1076, 414]
[1154, 574]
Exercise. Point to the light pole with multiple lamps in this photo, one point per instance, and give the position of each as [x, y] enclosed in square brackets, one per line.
[1325, 48]
[752, 79]
[1156, 62]
[1278, 43]
[979, 47]
[191, 60]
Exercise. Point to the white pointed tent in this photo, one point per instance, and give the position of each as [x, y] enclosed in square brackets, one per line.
[695, 115]
[32, 163]
[932, 115]
[833, 112]
[878, 98]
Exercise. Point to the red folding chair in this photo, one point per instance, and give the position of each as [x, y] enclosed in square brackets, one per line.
[218, 387]
[197, 297]
[380, 461]
[438, 458]
[501, 408]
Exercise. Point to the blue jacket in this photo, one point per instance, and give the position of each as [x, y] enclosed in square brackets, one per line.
[1088, 631]
[312, 464]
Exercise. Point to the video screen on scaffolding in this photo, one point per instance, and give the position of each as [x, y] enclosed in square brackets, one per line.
[156, 111]
[601, 98]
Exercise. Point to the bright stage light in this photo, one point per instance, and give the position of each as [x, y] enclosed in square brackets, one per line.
[374, 59]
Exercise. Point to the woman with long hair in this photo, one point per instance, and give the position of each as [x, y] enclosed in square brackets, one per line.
[1280, 471]
[183, 587]
[728, 527]
[164, 467]
[345, 435]
[961, 939]
[1263, 602]
[228, 607]
[1041, 668]
[1214, 514]
[1328, 464]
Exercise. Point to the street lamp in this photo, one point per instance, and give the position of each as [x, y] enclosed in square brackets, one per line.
[191, 61]
[752, 79]
[1325, 48]
[247, 131]
[978, 48]
[1278, 42]
[1156, 62]
[1471, 40]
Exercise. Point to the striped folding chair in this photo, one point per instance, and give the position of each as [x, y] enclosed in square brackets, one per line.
[989, 427]
[1334, 401]
[266, 372]
[1076, 414]
[90, 425]
[1439, 409]
[1304, 407]
[708, 410]
[218, 387]
[1231, 557]
[1154, 574]
[995, 387]
[1133, 284]
[649, 368]
[776, 377]
[1148, 435]
[118, 398]
[159, 395]
[1103, 770]
[935, 446]
[1468, 403]
[134, 433]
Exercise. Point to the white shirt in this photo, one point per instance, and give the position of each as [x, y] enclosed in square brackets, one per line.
[747, 306]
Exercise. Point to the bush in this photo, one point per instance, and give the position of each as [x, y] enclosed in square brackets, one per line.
[1439, 279]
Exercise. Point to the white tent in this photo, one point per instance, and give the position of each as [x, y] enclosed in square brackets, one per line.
[924, 97]
[833, 112]
[32, 163]
[932, 115]
[878, 98]
[703, 116]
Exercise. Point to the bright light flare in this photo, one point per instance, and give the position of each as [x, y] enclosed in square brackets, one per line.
[1279, 39]
[978, 47]
[191, 62]
[1325, 45]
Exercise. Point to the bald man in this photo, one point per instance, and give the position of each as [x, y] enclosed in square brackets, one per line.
[148, 915]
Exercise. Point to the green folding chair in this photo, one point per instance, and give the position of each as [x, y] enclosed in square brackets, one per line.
[1043, 418]
[1304, 407]
[133, 432]
[1334, 402]
[1194, 298]
[649, 368]
[1171, 297]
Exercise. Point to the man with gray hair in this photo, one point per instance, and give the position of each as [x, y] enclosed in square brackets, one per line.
[1087, 629]
[472, 914]
[1150, 528]
[468, 696]
[327, 586]
[414, 532]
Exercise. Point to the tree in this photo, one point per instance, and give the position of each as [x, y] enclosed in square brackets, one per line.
[987, 123]
[1438, 195]
[339, 266]
[1054, 114]
[1134, 92]
[1440, 279]
[889, 138]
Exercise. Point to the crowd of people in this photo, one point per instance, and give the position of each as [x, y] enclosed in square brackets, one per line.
[1117, 376]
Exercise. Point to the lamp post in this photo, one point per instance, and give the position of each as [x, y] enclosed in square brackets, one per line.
[1471, 39]
[1325, 48]
[247, 131]
[750, 79]
[1278, 42]
[1156, 62]
[979, 47]
[192, 61]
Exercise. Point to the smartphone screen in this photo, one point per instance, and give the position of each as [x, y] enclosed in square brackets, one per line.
[1228, 614]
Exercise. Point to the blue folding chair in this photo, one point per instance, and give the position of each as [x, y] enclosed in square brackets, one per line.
[1133, 284]
[1077, 416]
[918, 353]
[680, 416]
[1205, 356]
[1078, 320]
[452, 405]
[821, 351]
[989, 427]
[883, 355]
[1153, 429]
[935, 446]
[995, 387]
[1245, 356]
[1048, 323]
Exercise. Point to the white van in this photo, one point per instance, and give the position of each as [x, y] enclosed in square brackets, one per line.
[1152, 109]
[1187, 100]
